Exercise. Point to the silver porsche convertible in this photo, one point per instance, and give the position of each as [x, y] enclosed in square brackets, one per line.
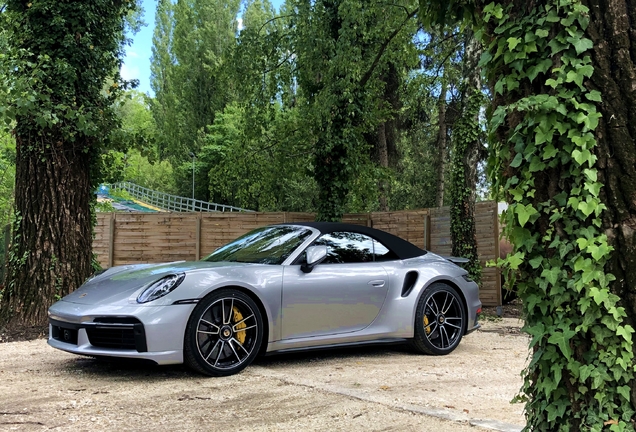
[278, 288]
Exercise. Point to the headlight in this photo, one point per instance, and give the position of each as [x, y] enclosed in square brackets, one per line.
[160, 288]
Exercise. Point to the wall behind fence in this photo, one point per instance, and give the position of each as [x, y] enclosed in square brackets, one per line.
[133, 238]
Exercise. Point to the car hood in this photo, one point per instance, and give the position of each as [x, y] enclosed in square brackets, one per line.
[121, 282]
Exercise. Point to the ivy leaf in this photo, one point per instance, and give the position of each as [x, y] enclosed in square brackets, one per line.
[591, 174]
[562, 340]
[598, 295]
[515, 260]
[536, 165]
[516, 162]
[599, 251]
[551, 275]
[486, 57]
[542, 33]
[513, 42]
[583, 45]
[587, 207]
[594, 96]
[524, 212]
[624, 391]
[536, 261]
[625, 331]
[549, 152]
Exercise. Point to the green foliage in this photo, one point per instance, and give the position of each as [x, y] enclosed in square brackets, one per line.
[43, 95]
[157, 175]
[258, 170]
[138, 128]
[339, 78]
[466, 134]
[7, 177]
[543, 159]
[192, 45]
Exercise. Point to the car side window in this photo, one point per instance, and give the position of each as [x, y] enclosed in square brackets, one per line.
[382, 253]
[346, 247]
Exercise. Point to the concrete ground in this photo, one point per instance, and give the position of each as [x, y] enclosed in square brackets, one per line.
[370, 389]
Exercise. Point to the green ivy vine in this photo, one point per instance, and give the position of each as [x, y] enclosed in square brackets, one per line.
[465, 133]
[543, 159]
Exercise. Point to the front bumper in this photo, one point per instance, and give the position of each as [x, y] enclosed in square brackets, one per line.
[140, 332]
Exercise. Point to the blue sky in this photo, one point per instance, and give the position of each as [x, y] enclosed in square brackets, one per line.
[137, 60]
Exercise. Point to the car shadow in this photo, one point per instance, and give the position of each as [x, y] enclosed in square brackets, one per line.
[328, 354]
[145, 370]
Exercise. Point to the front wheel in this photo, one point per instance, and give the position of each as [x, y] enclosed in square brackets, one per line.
[439, 320]
[224, 333]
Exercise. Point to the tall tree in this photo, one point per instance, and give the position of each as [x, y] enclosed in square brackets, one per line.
[564, 90]
[339, 77]
[192, 43]
[466, 151]
[61, 55]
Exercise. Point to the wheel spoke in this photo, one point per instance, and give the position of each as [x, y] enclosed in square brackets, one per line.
[452, 325]
[241, 322]
[240, 345]
[433, 302]
[207, 332]
[212, 350]
[230, 313]
[209, 324]
[444, 311]
[444, 304]
[245, 328]
[220, 352]
[432, 330]
[442, 332]
[234, 351]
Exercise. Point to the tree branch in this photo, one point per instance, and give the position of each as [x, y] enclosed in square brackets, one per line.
[383, 48]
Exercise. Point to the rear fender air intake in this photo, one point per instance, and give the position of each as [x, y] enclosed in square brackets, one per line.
[409, 283]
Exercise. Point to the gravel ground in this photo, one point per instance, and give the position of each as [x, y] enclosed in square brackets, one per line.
[371, 389]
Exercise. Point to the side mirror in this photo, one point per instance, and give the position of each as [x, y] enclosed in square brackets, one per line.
[315, 255]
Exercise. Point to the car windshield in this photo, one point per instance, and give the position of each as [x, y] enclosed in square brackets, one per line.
[269, 245]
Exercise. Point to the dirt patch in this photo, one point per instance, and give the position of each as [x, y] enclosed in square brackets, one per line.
[22, 333]
[377, 388]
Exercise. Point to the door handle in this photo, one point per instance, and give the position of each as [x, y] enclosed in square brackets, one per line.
[377, 283]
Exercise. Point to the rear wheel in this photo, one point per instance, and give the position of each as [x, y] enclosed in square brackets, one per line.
[439, 320]
[224, 333]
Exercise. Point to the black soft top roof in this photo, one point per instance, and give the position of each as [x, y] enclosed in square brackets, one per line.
[400, 247]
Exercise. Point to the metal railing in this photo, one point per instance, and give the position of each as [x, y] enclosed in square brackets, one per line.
[169, 202]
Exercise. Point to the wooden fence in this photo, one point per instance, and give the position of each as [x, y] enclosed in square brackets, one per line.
[131, 238]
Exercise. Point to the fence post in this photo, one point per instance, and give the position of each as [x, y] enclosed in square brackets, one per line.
[498, 269]
[427, 231]
[197, 254]
[111, 241]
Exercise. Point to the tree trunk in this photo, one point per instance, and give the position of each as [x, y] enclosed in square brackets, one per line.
[384, 163]
[51, 253]
[465, 157]
[441, 143]
[612, 29]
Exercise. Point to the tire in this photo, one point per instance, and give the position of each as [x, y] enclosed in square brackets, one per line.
[224, 333]
[440, 320]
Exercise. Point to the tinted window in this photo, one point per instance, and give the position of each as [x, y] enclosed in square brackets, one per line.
[346, 247]
[269, 245]
[382, 253]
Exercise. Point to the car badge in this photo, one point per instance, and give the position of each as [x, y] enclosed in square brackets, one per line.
[83, 295]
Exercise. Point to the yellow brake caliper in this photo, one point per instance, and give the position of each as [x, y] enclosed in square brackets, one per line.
[238, 317]
[427, 327]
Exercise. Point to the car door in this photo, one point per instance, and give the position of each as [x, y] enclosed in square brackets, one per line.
[342, 294]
